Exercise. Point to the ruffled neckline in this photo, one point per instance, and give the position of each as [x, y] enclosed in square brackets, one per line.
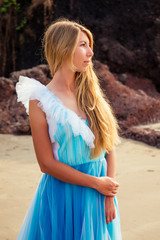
[83, 122]
[62, 104]
[30, 88]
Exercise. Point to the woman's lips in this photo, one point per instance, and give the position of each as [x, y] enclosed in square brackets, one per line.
[87, 62]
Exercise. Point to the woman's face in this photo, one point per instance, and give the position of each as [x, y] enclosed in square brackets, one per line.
[82, 54]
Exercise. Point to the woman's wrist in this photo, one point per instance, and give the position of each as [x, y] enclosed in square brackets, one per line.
[93, 182]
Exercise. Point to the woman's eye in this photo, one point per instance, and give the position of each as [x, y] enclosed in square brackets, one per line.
[82, 44]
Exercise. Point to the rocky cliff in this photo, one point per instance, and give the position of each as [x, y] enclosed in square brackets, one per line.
[126, 33]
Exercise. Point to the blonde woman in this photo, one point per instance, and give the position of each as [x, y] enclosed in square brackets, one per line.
[73, 129]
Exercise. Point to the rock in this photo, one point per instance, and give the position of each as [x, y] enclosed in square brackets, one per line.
[6, 88]
[13, 117]
[119, 56]
[40, 73]
[130, 106]
[146, 135]
[142, 85]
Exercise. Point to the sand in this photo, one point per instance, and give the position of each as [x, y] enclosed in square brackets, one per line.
[154, 126]
[138, 172]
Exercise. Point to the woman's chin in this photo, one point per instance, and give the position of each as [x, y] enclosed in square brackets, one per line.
[82, 70]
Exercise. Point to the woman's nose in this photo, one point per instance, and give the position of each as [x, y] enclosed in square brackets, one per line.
[90, 52]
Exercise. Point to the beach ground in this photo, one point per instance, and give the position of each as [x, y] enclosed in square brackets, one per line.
[138, 172]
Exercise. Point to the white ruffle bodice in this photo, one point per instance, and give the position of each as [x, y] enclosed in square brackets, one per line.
[30, 89]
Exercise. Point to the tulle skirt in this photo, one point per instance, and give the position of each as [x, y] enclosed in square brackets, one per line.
[63, 211]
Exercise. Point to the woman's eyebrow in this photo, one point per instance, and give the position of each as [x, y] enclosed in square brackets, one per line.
[84, 41]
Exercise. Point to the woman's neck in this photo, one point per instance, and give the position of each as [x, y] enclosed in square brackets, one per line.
[64, 79]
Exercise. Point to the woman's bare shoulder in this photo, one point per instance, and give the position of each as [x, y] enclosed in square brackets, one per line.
[33, 102]
[35, 110]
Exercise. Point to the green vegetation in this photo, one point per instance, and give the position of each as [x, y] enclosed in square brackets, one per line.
[6, 4]
[10, 6]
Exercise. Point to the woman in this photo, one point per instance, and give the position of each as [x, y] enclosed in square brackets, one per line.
[73, 128]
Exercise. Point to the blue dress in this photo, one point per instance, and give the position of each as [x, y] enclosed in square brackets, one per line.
[59, 210]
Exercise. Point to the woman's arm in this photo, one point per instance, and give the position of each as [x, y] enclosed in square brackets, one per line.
[57, 169]
[111, 164]
[110, 210]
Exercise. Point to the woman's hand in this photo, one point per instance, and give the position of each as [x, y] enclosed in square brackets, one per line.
[107, 186]
[110, 210]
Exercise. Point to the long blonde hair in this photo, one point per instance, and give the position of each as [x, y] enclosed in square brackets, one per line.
[60, 41]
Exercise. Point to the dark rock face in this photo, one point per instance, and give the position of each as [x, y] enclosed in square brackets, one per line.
[126, 33]
[131, 40]
[131, 106]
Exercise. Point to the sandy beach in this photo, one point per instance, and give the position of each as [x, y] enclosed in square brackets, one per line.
[138, 172]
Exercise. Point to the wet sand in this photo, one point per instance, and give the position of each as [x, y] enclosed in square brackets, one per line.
[138, 172]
